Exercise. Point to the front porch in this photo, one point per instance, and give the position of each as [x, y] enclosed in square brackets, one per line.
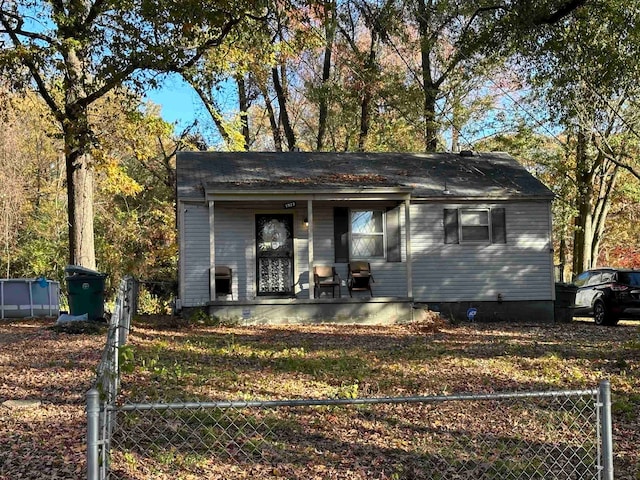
[376, 310]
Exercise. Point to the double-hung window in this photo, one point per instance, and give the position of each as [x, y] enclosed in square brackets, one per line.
[475, 225]
[360, 234]
[367, 234]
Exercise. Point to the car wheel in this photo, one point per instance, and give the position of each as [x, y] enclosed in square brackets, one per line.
[602, 316]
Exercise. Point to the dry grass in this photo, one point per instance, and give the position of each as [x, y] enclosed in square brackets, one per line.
[428, 358]
[44, 438]
[200, 362]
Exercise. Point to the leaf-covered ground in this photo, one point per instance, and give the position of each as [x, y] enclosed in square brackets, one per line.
[221, 363]
[44, 376]
[170, 361]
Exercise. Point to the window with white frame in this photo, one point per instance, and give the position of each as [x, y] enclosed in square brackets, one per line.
[474, 226]
[367, 234]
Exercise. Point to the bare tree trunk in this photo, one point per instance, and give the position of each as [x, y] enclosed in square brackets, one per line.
[367, 95]
[455, 139]
[603, 205]
[429, 87]
[430, 124]
[275, 128]
[243, 103]
[563, 257]
[284, 114]
[80, 202]
[596, 181]
[584, 223]
[365, 120]
[330, 31]
[78, 141]
[583, 236]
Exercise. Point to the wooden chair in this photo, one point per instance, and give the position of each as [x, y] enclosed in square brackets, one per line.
[325, 277]
[224, 281]
[360, 277]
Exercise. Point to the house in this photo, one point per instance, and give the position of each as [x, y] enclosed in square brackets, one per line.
[464, 234]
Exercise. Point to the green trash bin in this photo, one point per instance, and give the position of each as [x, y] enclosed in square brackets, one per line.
[85, 288]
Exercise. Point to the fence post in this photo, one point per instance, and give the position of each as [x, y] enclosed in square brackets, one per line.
[93, 427]
[607, 437]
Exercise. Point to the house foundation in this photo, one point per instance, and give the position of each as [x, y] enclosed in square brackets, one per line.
[371, 311]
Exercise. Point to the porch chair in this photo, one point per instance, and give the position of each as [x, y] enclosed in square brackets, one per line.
[224, 281]
[325, 277]
[360, 277]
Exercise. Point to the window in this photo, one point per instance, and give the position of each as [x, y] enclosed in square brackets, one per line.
[595, 279]
[475, 225]
[581, 279]
[629, 278]
[367, 234]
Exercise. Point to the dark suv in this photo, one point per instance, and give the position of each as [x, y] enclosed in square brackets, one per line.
[608, 294]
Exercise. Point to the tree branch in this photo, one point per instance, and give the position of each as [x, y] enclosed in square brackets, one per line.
[608, 152]
[94, 11]
[108, 85]
[213, 110]
[33, 70]
[202, 49]
[18, 28]
[562, 11]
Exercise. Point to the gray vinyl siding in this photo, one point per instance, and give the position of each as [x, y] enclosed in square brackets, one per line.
[300, 251]
[323, 235]
[195, 251]
[521, 269]
[390, 277]
[235, 244]
[235, 247]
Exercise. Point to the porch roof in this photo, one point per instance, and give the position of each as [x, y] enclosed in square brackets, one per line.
[330, 175]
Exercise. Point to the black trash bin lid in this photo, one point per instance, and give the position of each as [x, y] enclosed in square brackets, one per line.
[78, 270]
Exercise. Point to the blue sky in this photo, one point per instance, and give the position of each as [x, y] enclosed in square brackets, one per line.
[179, 103]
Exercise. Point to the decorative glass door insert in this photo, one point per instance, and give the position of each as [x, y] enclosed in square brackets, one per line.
[274, 242]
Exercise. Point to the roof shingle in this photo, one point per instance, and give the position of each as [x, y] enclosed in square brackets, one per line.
[483, 175]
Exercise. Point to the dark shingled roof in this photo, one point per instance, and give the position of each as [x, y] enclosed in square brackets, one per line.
[483, 175]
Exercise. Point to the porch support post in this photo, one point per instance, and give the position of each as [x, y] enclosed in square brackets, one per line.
[407, 237]
[212, 254]
[310, 246]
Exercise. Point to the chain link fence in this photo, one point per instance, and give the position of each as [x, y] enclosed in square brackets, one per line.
[544, 435]
[100, 421]
[532, 435]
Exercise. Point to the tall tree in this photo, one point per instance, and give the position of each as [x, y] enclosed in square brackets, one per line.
[363, 27]
[453, 35]
[330, 22]
[77, 51]
[585, 69]
[13, 178]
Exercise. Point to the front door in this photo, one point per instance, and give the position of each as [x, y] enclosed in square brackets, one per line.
[274, 242]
